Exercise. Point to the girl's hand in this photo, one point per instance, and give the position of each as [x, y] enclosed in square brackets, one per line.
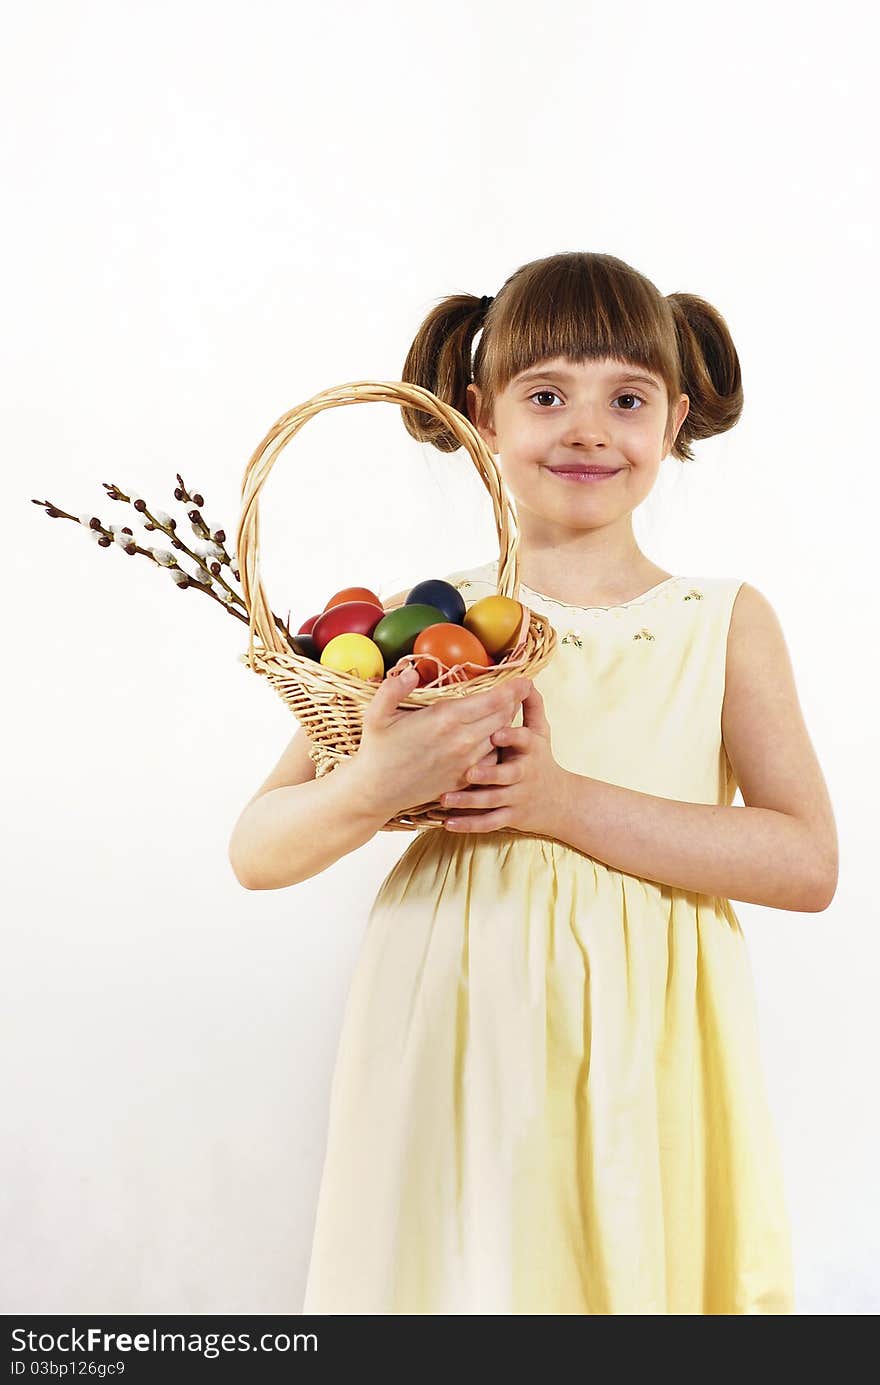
[524, 785]
[409, 756]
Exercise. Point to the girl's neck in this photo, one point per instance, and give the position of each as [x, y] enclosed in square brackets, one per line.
[580, 585]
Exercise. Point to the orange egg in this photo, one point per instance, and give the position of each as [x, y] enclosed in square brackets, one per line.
[451, 644]
[353, 594]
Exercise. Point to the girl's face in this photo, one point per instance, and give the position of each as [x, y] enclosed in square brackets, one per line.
[596, 414]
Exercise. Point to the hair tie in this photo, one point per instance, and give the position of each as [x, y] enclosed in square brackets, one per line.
[486, 299]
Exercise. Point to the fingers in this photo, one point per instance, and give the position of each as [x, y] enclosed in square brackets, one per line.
[479, 706]
[492, 720]
[392, 691]
[486, 821]
[497, 776]
[517, 737]
[490, 758]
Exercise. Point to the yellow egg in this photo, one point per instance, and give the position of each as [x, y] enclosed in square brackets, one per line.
[353, 653]
[496, 621]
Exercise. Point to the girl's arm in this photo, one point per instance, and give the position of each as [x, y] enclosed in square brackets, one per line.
[781, 848]
[297, 825]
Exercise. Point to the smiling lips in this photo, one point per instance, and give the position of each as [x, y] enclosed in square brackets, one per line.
[589, 470]
[584, 473]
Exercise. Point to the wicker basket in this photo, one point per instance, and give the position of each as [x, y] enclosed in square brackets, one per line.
[330, 705]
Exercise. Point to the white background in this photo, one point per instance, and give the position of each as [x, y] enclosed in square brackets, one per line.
[213, 211]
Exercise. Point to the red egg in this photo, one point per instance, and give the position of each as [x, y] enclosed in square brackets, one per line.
[348, 618]
[451, 644]
[306, 627]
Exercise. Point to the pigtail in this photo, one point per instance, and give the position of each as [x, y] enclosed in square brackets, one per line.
[710, 371]
[440, 361]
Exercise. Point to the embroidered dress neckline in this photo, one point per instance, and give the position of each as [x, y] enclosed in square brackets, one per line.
[618, 606]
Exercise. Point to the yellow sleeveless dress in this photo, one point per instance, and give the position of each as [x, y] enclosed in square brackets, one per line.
[548, 1094]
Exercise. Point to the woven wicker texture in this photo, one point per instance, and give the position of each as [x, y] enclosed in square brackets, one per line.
[329, 705]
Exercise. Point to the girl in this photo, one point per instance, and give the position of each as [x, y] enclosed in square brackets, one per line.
[548, 1095]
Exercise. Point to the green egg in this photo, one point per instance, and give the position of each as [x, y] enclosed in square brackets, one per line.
[396, 633]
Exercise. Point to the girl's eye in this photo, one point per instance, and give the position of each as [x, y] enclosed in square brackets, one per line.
[627, 395]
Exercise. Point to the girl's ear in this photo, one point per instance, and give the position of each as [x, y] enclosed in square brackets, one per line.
[474, 400]
[475, 405]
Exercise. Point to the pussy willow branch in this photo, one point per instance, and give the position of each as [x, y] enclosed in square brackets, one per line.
[168, 525]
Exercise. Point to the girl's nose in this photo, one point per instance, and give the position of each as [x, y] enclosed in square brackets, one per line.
[585, 425]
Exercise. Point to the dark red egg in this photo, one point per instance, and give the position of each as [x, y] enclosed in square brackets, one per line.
[348, 618]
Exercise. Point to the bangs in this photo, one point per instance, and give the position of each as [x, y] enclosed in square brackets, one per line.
[583, 307]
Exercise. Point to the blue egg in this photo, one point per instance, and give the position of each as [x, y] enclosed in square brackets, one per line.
[446, 598]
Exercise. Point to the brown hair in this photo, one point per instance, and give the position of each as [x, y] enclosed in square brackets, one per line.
[585, 306]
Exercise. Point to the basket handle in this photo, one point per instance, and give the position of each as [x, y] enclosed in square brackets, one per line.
[261, 621]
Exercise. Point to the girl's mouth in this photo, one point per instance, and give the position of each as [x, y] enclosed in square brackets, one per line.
[584, 475]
